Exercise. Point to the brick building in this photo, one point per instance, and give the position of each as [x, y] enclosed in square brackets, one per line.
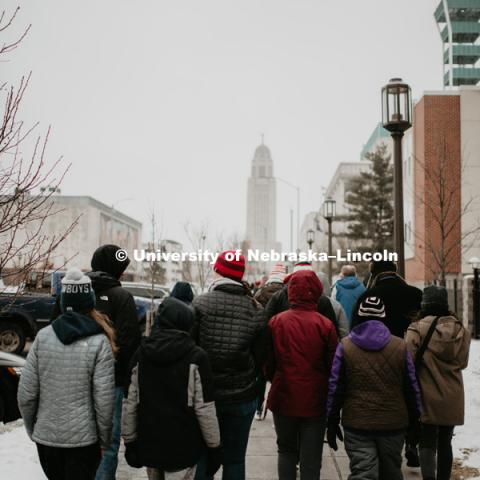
[445, 163]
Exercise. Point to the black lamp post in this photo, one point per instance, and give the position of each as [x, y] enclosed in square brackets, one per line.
[397, 118]
[329, 214]
[475, 263]
[310, 238]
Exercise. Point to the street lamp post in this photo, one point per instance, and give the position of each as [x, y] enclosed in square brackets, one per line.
[329, 214]
[397, 118]
[310, 238]
[475, 263]
[297, 188]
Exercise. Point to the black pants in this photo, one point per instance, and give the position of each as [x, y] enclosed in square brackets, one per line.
[436, 456]
[299, 440]
[79, 463]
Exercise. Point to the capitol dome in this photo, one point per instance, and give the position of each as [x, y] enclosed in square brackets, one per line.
[262, 163]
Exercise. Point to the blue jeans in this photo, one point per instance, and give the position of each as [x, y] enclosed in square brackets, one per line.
[235, 421]
[108, 466]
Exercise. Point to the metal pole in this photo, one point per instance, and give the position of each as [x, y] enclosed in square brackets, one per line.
[398, 203]
[298, 219]
[330, 250]
[476, 291]
[291, 230]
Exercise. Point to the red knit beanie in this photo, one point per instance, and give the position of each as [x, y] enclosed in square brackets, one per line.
[231, 265]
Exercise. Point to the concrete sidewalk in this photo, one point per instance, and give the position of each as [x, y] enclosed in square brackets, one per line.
[262, 459]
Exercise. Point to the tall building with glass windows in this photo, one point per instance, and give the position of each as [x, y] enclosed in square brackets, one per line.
[458, 23]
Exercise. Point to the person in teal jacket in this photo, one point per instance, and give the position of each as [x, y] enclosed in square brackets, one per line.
[348, 289]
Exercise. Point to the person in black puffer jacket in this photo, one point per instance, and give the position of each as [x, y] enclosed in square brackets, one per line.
[231, 330]
[118, 304]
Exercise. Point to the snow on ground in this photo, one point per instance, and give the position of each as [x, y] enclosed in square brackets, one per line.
[18, 454]
[466, 442]
[19, 460]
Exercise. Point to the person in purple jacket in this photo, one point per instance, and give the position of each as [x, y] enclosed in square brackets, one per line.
[373, 384]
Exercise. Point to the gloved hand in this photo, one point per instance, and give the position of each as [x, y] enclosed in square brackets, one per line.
[214, 460]
[413, 433]
[131, 455]
[333, 432]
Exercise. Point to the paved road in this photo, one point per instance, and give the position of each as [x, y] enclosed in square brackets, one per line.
[262, 459]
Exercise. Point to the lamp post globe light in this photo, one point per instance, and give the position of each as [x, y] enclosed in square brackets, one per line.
[475, 263]
[397, 118]
[310, 238]
[329, 207]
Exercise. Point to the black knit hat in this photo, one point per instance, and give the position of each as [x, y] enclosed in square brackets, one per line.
[434, 296]
[371, 308]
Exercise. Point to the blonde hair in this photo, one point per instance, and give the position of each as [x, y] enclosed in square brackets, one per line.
[106, 326]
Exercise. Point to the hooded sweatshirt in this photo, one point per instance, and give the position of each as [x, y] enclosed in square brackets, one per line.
[440, 373]
[183, 291]
[304, 342]
[373, 381]
[347, 290]
[170, 410]
[118, 304]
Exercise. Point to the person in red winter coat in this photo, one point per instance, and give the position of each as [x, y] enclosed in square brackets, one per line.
[303, 344]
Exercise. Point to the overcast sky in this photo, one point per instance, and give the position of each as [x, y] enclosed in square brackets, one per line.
[164, 102]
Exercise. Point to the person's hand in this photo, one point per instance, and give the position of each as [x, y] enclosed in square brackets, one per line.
[413, 433]
[214, 460]
[131, 455]
[333, 432]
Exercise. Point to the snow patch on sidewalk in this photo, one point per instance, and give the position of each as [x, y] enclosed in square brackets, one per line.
[466, 442]
[18, 454]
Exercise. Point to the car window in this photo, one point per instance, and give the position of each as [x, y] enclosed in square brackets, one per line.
[145, 292]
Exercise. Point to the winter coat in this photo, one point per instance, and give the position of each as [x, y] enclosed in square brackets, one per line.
[67, 387]
[118, 304]
[170, 410]
[346, 291]
[342, 320]
[373, 381]
[402, 301]
[440, 373]
[304, 343]
[266, 292]
[280, 303]
[231, 329]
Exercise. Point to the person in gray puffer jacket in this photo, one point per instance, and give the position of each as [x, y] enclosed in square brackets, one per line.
[66, 391]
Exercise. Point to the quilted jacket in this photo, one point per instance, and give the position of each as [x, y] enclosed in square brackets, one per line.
[66, 391]
[304, 343]
[231, 329]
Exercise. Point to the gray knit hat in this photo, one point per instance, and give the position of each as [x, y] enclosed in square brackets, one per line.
[434, 296]
[77, 294]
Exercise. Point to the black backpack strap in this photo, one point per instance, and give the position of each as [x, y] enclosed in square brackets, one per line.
[426, 341]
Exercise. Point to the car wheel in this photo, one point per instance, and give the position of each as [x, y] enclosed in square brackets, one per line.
[12, 337]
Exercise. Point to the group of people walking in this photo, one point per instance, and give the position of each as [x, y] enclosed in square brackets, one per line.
[382, 361]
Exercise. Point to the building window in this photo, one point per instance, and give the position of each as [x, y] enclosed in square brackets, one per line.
[261, 171]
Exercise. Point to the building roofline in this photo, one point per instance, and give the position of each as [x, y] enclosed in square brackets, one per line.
[334, 179]
[378, 133]
[112, 211]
